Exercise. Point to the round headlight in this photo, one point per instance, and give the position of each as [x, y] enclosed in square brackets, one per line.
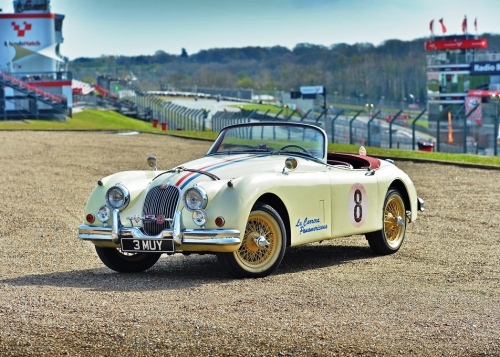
[195, 198]
[103, 214]
[117, 197]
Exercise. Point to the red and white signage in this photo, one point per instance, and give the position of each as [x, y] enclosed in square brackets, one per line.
[439, 45]
[29, 42]
[483, 92]
[473, 109]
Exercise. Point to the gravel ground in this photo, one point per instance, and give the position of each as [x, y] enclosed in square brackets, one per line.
[439, 295]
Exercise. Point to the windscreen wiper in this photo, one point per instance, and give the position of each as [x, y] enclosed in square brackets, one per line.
[305, 155]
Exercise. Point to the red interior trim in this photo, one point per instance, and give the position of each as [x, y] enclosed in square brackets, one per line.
[357, 161]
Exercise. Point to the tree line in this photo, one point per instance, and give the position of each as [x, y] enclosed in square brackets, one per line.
[393, 70]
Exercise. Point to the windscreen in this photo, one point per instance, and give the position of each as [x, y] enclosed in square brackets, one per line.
[271, 138]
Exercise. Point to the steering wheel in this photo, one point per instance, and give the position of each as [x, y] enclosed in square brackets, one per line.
[298, 147]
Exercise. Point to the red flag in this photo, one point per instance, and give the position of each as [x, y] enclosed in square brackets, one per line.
[431, 26]
[443, 27]
[464, 25]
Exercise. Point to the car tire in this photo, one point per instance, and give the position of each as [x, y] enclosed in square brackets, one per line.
[254, 260]
[390, 238]
[121, 262]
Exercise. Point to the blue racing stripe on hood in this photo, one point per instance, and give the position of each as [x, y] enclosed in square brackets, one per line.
[218, 167]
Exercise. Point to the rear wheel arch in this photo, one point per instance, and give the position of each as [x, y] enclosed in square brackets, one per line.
[400, 186]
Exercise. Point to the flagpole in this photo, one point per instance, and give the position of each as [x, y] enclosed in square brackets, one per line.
[466, 30]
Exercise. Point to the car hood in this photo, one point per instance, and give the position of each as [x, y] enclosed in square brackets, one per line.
[229, 167]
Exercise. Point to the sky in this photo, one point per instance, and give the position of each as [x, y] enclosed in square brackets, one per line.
[93, 28]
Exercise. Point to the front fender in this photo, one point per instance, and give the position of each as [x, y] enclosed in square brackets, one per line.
[230, 199]
[393, 176]
[136, 183]
[233, 199]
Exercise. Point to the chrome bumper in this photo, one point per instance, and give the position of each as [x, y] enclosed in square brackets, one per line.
[420, 204]
[202, 237]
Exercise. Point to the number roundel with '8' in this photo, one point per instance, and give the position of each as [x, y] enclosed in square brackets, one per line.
[357, 205]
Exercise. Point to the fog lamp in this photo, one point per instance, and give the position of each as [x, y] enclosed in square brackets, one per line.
[199, 217]
[103, 214]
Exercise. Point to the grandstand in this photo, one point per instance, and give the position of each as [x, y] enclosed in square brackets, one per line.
[34, 82]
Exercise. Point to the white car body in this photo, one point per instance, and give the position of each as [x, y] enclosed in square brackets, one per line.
[303, 193]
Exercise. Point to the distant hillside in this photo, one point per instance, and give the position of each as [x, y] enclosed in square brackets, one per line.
[391, 70]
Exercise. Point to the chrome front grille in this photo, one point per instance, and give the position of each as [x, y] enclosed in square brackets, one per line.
[159, 209]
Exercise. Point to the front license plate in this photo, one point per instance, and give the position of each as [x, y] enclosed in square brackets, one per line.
[147, 245]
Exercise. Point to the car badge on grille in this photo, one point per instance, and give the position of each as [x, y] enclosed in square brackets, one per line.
[164, 186]
[160, 219]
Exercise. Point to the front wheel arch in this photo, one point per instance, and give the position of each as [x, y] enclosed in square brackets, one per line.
[262, 247]
[276, 203]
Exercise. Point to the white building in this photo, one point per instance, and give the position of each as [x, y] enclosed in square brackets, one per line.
[30, 38]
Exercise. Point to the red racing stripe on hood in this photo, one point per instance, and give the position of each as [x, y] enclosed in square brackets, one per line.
[209, 166]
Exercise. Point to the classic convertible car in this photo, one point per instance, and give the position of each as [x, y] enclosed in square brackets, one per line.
[262, 187]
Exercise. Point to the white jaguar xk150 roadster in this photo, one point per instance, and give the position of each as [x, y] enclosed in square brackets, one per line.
[262, 187]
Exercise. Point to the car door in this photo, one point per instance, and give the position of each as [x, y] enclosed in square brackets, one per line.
[354, 198]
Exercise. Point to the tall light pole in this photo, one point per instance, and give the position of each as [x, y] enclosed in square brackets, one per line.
[369, 108]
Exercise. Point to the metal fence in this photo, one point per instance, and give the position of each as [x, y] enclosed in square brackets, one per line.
[170, 116]
[362, 128]
[374, 126]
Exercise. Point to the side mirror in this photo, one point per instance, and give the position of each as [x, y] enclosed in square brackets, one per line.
[152, 162]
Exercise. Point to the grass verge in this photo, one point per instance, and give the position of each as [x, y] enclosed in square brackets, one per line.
[101, 120]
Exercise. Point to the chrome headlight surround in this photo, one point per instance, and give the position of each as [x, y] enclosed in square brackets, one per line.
[195, 198]
[117, 197]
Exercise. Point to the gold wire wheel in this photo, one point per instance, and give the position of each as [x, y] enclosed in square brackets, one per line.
[394, 221]
[261, 226]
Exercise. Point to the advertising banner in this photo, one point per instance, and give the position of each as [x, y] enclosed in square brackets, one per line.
[474, 115]
[455, 44]
[482, 68]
